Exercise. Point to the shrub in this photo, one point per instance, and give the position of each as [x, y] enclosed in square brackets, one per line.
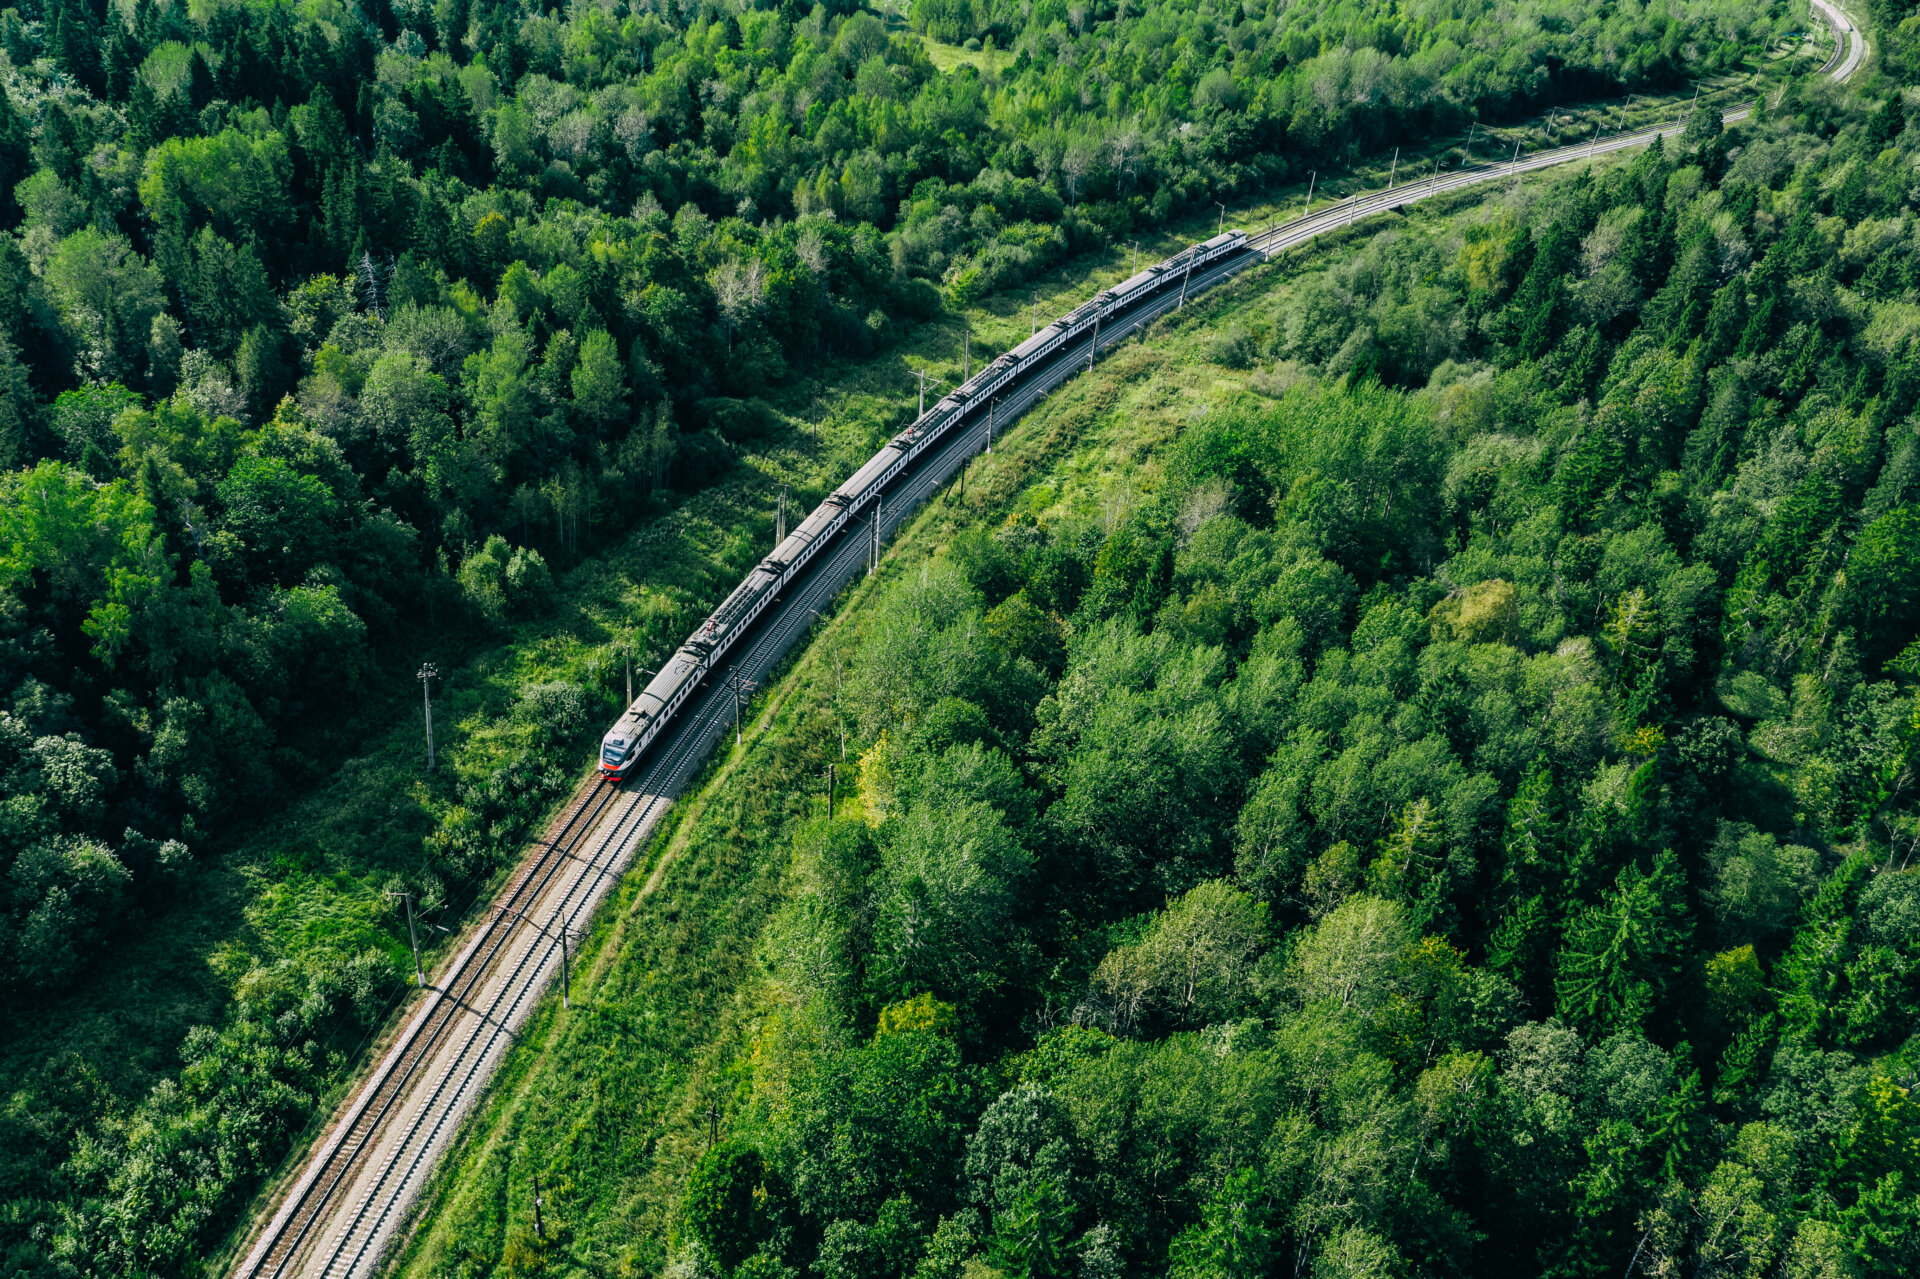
[557, 709]
[1232, 348]
[529, 586]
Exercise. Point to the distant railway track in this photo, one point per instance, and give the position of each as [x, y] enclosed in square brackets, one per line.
[353, 1197]
[1850, 51]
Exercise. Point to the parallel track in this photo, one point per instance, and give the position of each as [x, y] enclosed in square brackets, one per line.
[350, 1202]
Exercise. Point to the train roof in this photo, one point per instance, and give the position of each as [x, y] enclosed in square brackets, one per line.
[1138, 281]
[802, 536]
[872, 470]
[674, 673]
[971, 387]
[734, 609]
[1035, 342]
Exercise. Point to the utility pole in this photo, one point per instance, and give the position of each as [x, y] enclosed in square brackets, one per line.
[539, 1226]
[428, 673]
[1312, 178]
[991, 406]
[1469, 147]
[922, 375]
[1192, 253]
[1513, 165]
[1094, 345]
[1223, 217]
[1594, 140]
[780, 528]
[873, 552]
[1136, 258]
[1395, 169]
[1036, 317]
[413, 939]
[741, 687]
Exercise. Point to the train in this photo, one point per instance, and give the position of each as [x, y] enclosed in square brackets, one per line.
[626, 743]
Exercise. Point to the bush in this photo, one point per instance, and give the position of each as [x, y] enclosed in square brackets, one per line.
[529, 585]
[498, 580]
[483, 579]
[739, 421]
[703, 457]
[557, 709]
[729, 1205]
[917, 300]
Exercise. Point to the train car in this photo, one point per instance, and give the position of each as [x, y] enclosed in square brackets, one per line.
[1084, 316]
[1039, 346]
[990, 379]
[1143, 284]
[1133, 288]
[1223, 245]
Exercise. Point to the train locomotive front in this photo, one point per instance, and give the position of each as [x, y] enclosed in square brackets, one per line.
[641, 722]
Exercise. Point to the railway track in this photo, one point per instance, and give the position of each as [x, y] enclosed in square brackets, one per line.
[351, 1201]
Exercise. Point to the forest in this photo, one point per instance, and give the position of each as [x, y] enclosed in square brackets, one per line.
[326, 329]
[1456, 815]
[305, 314]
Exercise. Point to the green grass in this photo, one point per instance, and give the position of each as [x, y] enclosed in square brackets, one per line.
[946, 57]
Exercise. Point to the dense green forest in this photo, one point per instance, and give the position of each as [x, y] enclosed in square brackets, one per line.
[330, 334]
[306, 314]
[1449, 810]
[1464, 832]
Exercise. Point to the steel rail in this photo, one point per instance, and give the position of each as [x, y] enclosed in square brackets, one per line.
[485, 1035]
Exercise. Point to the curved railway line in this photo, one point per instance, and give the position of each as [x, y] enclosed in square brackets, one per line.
[343, 1213]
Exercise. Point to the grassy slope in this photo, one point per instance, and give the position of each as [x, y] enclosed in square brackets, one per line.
[610, 1105]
